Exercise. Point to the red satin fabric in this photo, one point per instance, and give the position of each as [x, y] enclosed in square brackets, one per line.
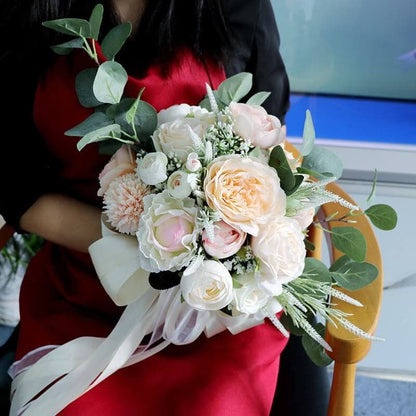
[61, 297]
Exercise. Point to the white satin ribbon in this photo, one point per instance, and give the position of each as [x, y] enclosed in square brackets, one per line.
[73, 368]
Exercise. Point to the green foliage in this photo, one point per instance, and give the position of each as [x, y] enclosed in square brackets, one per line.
[70, 26]
[350, 241]
[382, 216]
[115, 39]
[112, 131]
[109, 82]
[308, 135]
[95, 21]
[259, 98]
[316, 270]
[323, 161]
[314, 350]
[288, 181]
[235, 88]
[352, 275]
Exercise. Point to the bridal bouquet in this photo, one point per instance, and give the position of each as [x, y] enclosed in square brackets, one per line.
[206, 219]
[216, 206]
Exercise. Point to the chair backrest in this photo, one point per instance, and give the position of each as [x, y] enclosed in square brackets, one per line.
[349, 349]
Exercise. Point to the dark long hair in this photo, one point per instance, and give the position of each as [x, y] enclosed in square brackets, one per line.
[166, 26]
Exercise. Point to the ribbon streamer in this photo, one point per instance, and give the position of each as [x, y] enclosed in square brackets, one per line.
[72, 369]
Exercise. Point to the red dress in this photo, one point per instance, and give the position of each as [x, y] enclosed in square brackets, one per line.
[61, 297]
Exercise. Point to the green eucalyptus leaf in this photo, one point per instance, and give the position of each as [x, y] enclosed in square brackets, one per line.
[109, 82]
[350, 241]
[316, 270]
[309, 245]
[115, 39]
[279, 162]
[259, 98]
[93, 122]
[145, 117]
[313, 173]
[298, 181]
[205, 103]
[257, 152]
[314, 350]
[308, 135]
[70, 26]
[104, 133]
[353, 275]
[382, 216]
[83, 86]
[341, 263]
[95, 20]
[235, 87]
[323, 161]
[109, 147]
[66, 47]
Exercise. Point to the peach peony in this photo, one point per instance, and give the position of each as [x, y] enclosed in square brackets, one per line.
[244, 191]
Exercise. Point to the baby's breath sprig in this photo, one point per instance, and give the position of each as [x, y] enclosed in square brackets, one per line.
[243, 262]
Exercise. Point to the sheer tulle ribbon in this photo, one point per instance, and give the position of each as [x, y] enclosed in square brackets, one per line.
[70, 370]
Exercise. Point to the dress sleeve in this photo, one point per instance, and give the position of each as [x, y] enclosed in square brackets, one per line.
[25, 168]
[258, 51]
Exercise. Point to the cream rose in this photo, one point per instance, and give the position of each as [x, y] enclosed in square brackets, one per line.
[210, 287]
[151, 169]
[122, 162]
[167, 232]
[227, 240]
[178, 137]
[244, 191]
[249, 298]
[256, 126]
[280, 248]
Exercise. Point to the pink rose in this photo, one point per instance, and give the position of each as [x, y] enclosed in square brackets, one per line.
[227, 240]
[122, 162]
[256, 126]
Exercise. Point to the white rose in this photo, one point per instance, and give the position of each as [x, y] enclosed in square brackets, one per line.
[172, 113]
[210, 287]
[151, 169]
[167, 233]
[179, 137]
[249, 298]
[192, 162]
[178, 185]
[280, 248]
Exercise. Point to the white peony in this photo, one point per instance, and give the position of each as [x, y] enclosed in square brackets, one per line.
[167, 233]
[280, 248]
[180, 137]
[210, 287]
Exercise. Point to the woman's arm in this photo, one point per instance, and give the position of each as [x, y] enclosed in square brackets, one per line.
[63, 220]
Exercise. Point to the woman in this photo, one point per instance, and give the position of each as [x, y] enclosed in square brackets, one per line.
[182, 45]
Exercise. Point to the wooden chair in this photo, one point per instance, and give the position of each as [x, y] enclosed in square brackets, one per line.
[349, 349]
